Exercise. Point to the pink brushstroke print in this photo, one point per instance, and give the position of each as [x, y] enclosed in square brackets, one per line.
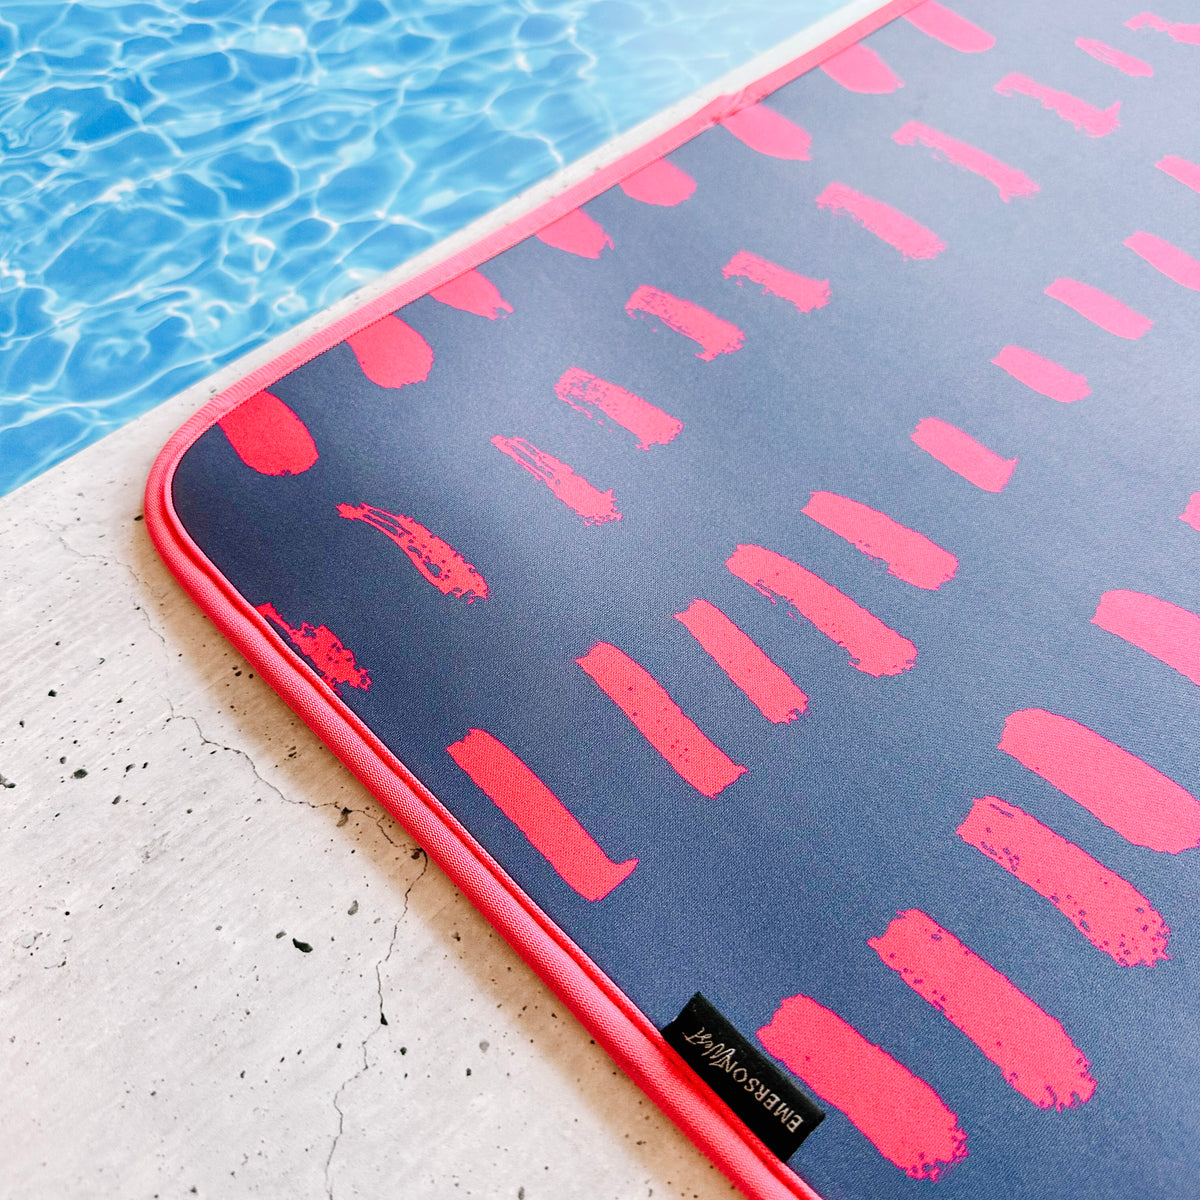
[1110, 56]
[1170, 633]
[1087, 118]
[1164, 257]
[713, 335]
[1035, 1055]
[769, 132]
[391, 353]
[806, 294]
[964, 456]
[1191, 513]
[895, 1110]
[1188, 173]
[874, 648]
[473, 292]
[1043, 376]
[1115, 786]
[661, 183]
[1100, 308]
[1008, 181]
[585, 499]
[696, 759]
[577, 234]
[436, 560]
[766, 685]
[584, 392]
[910, 555]
[1177, 31]
[858, 68]
[321, 646]
[948, 27]
[268, 437]
[1108, 910]
[552, 829]
[886, 223]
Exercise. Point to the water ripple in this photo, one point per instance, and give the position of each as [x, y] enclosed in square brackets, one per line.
[181, 181]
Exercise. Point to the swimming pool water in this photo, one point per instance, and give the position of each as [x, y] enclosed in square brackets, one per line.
[181, 181]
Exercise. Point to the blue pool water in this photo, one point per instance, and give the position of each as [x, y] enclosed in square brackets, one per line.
[181, 181]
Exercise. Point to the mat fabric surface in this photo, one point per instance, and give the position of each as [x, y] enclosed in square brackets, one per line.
[770, 572]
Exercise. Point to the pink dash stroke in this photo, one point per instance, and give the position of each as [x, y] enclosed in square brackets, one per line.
[318, 643]
[1118, 788]
[712, 334]
[1008, 181]
[576, 233]
[1045, 377]
[766, 685]
[1108, 910]
[1035, 1055]
[886, 223]
[392, 354]
[937, 21]
[268, 437]
[769, 132]
[585, 499]
[1110, 56]
[859, 69]
[1100, 308]
[910, 555]
[1177, 31]
[437, 560]
[1187, 173]
[1164, 257]
[473, 292]
[874, 648]
[895, 1110]
[660, 720]
[552, 830]
[1170, 633]
[964, 456]
[806, 294]
[1191, 513]
[586, 392]
[661, 183]
[1087, 118]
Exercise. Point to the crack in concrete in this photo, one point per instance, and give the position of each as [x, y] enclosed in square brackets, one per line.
[114, 557]
[110, 562]
[341, 1112]
[205, 740]
[366, 1062]
[103, 560]
[382, 818]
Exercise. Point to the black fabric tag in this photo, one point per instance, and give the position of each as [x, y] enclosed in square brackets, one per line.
[774, 1109]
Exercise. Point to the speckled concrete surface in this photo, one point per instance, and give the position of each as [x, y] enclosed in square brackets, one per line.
[227, 972]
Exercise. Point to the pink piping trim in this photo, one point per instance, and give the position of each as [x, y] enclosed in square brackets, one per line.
[603, 1009]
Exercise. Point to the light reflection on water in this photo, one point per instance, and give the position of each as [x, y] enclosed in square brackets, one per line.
[181, 181]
